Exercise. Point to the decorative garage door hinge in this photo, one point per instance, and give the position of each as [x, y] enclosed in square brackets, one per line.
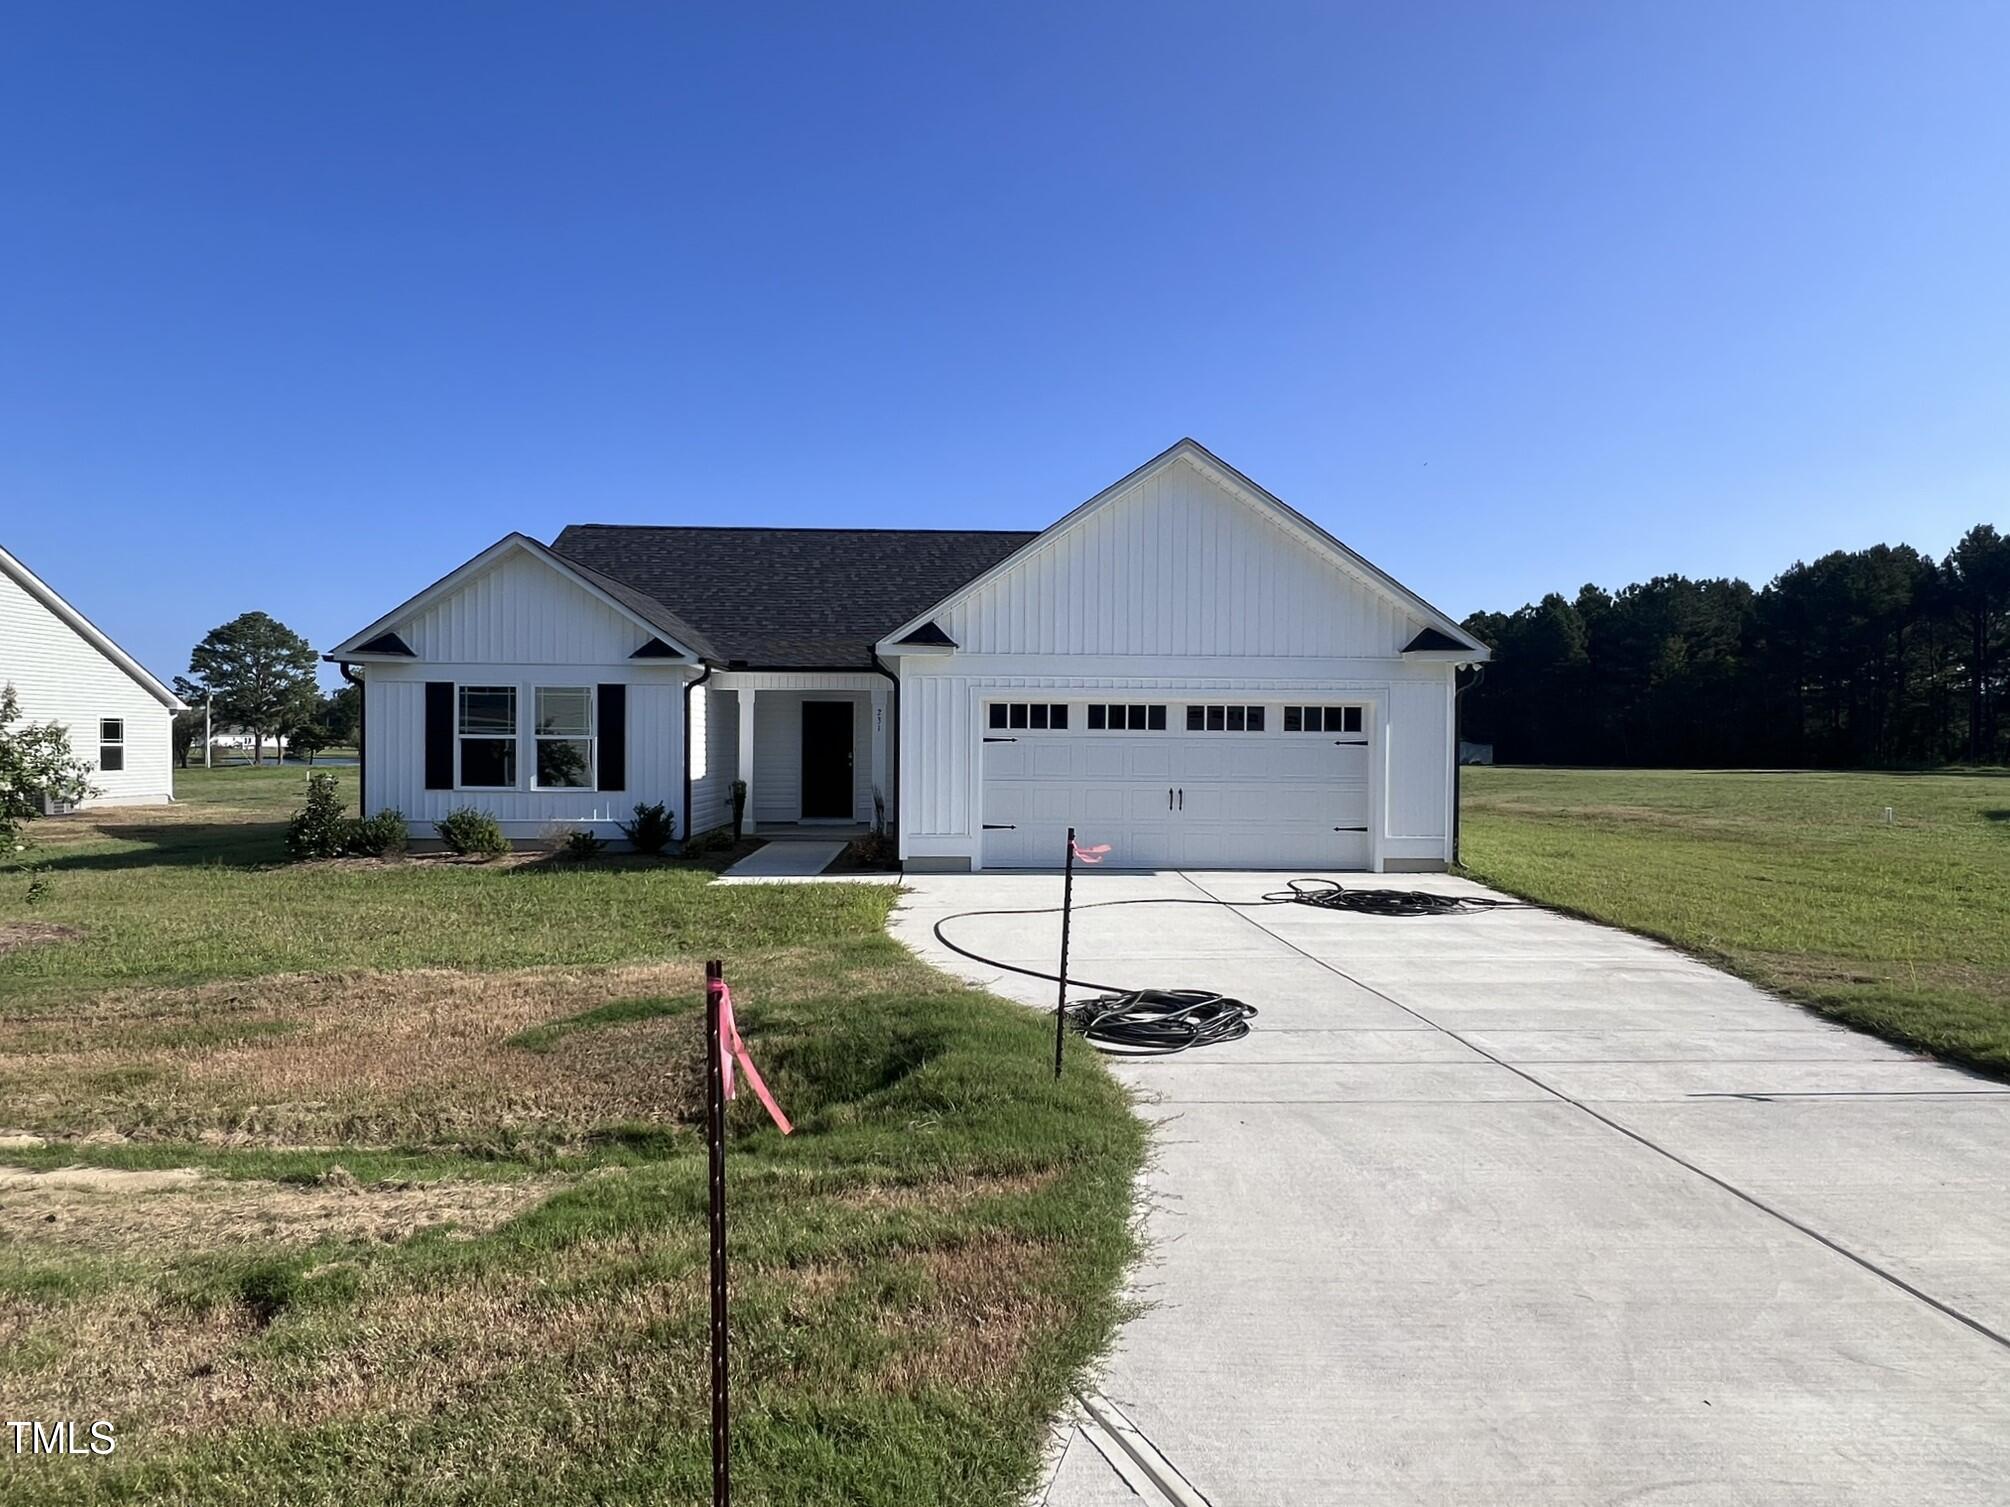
[1350, 829]
[1009, 827]
[1350, 742]
[1001, 740]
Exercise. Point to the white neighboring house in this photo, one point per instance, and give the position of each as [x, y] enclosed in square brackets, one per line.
[1182, 667]
[65, 670]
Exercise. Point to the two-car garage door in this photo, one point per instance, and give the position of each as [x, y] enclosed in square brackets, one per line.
[1179, 787]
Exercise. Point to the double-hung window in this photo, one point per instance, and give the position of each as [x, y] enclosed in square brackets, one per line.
[564, 729]
[111, 744]
[488, 737]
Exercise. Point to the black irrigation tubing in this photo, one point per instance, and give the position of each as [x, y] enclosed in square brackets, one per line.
[1156, 1022]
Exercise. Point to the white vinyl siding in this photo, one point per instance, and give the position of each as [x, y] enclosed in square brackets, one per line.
[62, 677]
[778, 753]
[394, 752]
[1178, 565]
[522, 611]
[715, 753]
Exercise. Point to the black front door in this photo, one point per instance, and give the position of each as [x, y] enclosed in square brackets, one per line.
[826, 759]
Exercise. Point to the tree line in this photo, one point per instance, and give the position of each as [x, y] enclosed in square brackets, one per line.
[1880, 657]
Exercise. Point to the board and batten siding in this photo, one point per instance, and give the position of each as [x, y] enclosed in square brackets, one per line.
[521, 611]
[62, 677]
[395, 746]
[1178, 589]
[1178, 565]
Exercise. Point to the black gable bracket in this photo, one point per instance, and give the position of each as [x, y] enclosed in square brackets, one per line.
[930, 635]
[655, 649]
[386, 643]
[1431, 638]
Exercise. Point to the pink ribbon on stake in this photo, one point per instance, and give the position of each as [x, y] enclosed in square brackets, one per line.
[733, 1046]
[1091, 855]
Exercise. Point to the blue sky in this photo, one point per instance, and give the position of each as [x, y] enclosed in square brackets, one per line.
[300, 306]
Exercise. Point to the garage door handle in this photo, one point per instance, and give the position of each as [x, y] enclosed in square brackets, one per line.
[1168, 797]
[1182, 797]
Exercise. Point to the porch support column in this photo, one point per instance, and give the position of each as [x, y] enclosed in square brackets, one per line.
[747, 750]
[879, 732]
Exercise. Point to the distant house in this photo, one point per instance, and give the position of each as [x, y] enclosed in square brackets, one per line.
[66, 671]
[1182, 667]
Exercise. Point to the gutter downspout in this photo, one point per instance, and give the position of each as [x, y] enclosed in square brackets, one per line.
[689, 687]
[362, 737]
[1458, 710]
[893, 744]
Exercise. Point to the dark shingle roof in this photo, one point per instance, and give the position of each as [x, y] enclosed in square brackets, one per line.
[782, 598]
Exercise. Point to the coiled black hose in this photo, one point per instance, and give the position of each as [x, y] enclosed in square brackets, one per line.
[1329, 894]
[1157, 1022]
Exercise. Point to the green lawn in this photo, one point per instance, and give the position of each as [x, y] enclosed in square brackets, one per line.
[1794, 880]
[391, 1190]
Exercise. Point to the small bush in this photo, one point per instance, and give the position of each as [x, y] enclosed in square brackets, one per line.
[319, 829]
[653, 829]
[471, 831]
[876, 851]
[381, 836]
[581, 845]
[718, 840]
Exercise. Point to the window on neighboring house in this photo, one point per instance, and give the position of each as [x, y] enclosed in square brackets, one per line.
[111, 745]
[1116, 717]
[564, 727]
[1037, 715]
[1224, 719]
[488, 737]
[1322, 719]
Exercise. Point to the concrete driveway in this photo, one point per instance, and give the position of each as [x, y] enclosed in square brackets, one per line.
[1510, 1208]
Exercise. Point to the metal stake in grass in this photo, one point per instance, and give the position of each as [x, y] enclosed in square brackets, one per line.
[1067, 899]
[715, 1135]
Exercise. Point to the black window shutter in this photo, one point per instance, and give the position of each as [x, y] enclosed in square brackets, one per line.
[439, 735]
[612, 730]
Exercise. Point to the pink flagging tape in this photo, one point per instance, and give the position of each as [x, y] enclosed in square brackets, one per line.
[1091, 855]
[733, 1047]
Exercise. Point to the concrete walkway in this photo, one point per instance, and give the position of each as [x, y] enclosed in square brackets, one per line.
[785, 860]
[1509, 1208]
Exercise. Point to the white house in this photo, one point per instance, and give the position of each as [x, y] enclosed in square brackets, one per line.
[1182, 667]
[65, 670]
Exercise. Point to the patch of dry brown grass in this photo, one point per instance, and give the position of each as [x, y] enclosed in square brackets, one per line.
[985, 1303]
[171, 1370]
[357, 1058]
[18, 934]
[168, 1212]
[945, 1193]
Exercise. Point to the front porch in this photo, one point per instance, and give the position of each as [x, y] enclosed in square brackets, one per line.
[813, 748]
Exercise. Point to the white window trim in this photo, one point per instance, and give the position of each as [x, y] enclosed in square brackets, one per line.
[119, 743]
[515, 736]
[591, 738]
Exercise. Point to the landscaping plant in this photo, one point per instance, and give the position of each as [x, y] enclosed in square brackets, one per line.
[384, 835]
[319, 829]
[35, 762]
[472, 832]
[580, 845]
[653, 829]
